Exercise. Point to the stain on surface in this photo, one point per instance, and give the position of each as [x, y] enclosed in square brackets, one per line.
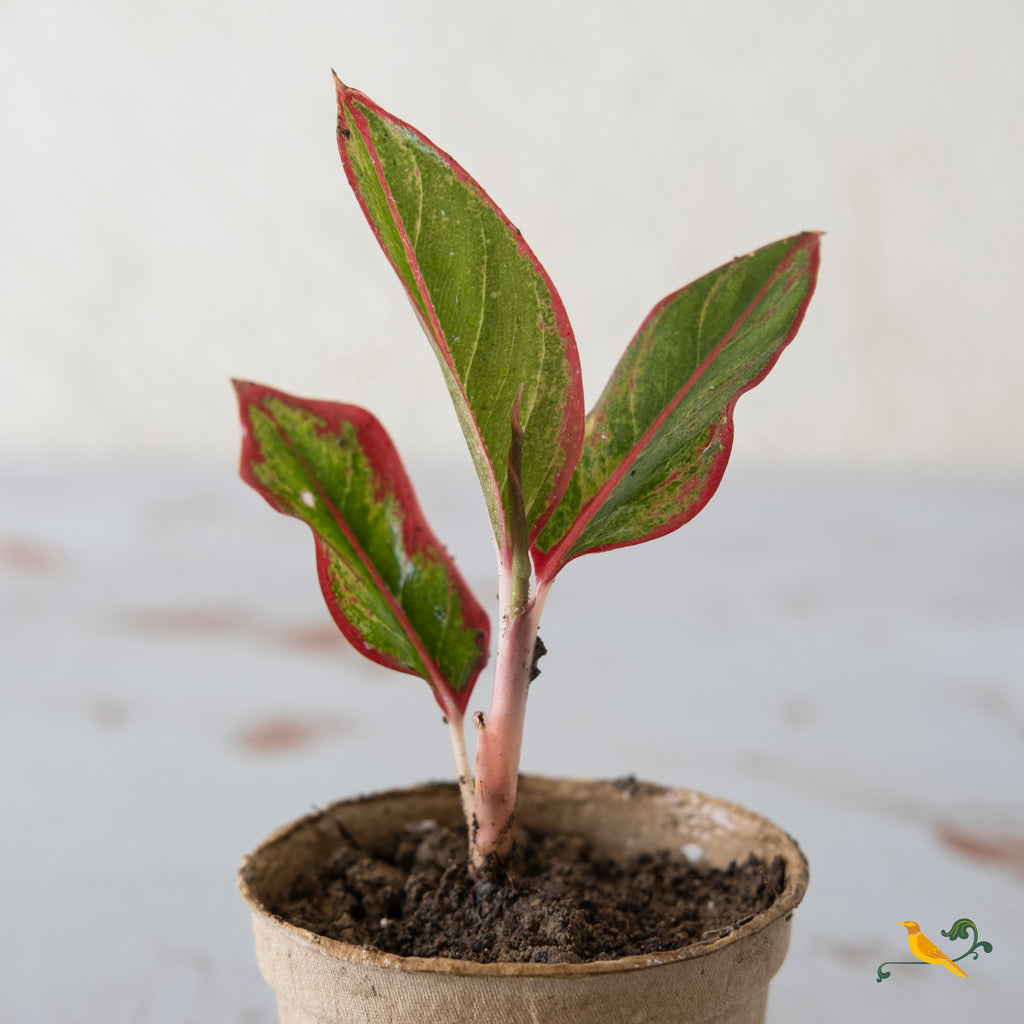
[190, 621]
[993, 849]
[979, 608]
[109, 714]
[798, 711]
[29, 556]
[806, 600]
[323, 637]
[317, 638]
[859, 954]
[288, 733]
[995, 700]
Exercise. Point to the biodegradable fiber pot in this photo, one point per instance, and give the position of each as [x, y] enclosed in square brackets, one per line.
[721, 981]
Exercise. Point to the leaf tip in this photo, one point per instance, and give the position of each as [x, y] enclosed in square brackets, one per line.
[811, 240]
[248, 392]
[344, 95]
[339, 86]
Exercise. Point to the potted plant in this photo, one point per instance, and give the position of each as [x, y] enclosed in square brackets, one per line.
[339, 911]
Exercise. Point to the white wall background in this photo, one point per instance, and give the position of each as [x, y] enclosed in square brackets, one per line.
[173, 211]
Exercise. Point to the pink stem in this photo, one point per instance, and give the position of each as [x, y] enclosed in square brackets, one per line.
[500, 738]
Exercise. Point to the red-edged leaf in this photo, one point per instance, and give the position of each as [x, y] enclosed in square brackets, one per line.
[388, 582]
[659, 438]
[494, 319]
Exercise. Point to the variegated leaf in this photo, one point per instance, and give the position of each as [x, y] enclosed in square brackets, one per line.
[388, 582]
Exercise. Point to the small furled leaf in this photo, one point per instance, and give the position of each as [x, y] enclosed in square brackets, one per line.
[492, 315]
[659, 438]
[388, 582]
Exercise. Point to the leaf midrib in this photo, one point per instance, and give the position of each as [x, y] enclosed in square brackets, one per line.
[426, 303]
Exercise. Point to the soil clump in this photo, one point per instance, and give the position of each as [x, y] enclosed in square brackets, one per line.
[560, 901]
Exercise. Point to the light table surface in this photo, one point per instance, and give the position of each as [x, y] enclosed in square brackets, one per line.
[838, 650]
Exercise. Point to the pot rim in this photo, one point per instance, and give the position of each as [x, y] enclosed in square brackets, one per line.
[797, 879]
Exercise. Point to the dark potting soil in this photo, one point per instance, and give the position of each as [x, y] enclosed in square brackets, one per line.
[560, 901]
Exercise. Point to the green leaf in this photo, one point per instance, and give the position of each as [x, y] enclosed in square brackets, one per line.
[494, 319]
[659, 438]
[388, 582]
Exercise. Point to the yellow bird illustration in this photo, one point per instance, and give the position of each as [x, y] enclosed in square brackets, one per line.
[924, 949]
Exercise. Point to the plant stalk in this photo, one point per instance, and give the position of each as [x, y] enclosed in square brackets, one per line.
[500, 737]
[456, 730]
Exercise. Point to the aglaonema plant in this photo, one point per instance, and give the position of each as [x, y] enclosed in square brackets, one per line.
[557, 482]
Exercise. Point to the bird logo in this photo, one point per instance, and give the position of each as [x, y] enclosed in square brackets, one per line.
[924, 949]
[928, 953]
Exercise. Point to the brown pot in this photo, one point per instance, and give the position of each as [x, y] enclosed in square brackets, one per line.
[721, 981]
